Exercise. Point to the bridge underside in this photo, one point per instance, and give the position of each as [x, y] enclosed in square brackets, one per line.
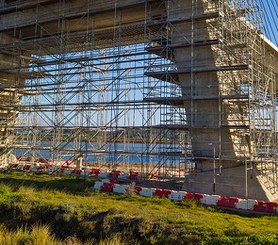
[207, 69]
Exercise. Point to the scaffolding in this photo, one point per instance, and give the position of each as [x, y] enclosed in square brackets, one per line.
[162, 87]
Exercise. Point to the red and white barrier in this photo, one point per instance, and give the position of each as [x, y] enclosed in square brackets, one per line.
[109, 183]
[211, 200]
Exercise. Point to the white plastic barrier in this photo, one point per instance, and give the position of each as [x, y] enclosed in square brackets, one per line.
[210, 199]
[98, 185]
[103, 175]
[147, 192]
[105, 181]
[246, 204]
[120, 189]
[177, 195]
[67, 171]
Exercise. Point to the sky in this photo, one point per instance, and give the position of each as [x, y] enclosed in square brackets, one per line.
[270, 10]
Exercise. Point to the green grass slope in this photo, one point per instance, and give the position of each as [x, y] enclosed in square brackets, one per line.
[42, 209]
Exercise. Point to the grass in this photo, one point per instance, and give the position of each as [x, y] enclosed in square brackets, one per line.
[71, 211]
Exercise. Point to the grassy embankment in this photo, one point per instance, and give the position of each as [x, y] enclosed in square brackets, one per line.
[41, 209]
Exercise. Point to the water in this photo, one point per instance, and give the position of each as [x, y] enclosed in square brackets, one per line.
[107, 152]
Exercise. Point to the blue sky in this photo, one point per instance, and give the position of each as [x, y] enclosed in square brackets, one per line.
[270, 8]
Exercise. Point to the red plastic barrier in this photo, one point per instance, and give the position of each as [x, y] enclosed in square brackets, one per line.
[229, 202]
[95, 171]
[138, 188]
[26, 167]
[107, 187]
[162, 193]
[114, 180]
[76, 171]
[266, 207]
[195, 196]
[18, 158]
[113, 176]
[198, 196]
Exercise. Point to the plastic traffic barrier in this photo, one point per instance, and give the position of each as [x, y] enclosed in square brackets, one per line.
[138, 189]
[162, 193]
[266, 207]
[147, 192]
[210, 199]
[76, 171]
[120, 189]
[229, 202]
[98, 185]
[106, 181]
[195, 196]
[107, 187]
[177, 195]
[246, 204]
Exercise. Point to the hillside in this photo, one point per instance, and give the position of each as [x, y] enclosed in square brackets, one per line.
[65, 210]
